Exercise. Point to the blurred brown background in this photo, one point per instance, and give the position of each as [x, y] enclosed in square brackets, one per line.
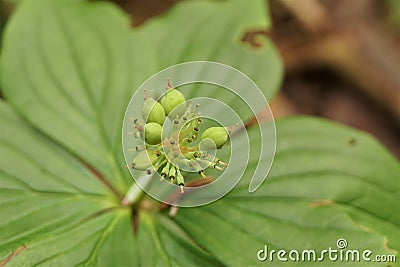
[342, 59]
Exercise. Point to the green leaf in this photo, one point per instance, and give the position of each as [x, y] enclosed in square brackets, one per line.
[327, 182]
[164, 243]
[227, 22]
[50, 204]
[72, 78]
[62, 84]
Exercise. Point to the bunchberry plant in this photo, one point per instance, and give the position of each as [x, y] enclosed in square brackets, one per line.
[183, 149]
[67, 69]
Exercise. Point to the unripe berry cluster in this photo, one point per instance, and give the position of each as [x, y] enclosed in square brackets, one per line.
[172, 156]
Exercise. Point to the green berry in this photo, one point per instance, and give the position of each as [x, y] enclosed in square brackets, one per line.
[219, 135]
[152, 133]
[153, 111]
[171, 100]
[144, 160]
